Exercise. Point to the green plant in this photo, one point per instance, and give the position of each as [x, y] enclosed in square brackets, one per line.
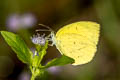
[33, 60]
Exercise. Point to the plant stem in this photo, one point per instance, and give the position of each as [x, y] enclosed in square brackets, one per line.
[33, 77]
[33, 73]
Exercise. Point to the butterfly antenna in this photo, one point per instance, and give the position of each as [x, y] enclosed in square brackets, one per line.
[49, 29]
[42, 30]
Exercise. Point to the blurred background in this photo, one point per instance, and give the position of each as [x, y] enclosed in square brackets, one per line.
[23, 16]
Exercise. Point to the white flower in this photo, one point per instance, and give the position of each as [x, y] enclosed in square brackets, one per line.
[13, 22]
[24, 76]
[16, 21]
[28, 20]
[37, 39]
[54, 70]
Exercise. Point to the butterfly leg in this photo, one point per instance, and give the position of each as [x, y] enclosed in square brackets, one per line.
[50, 39]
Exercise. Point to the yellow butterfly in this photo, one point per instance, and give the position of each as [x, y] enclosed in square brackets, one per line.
[78, 40]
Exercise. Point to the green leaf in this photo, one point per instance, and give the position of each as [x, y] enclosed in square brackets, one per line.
[63, 60]
[18, 46]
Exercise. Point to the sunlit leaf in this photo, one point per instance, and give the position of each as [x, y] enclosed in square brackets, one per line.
[63, 60]
[18, 46]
